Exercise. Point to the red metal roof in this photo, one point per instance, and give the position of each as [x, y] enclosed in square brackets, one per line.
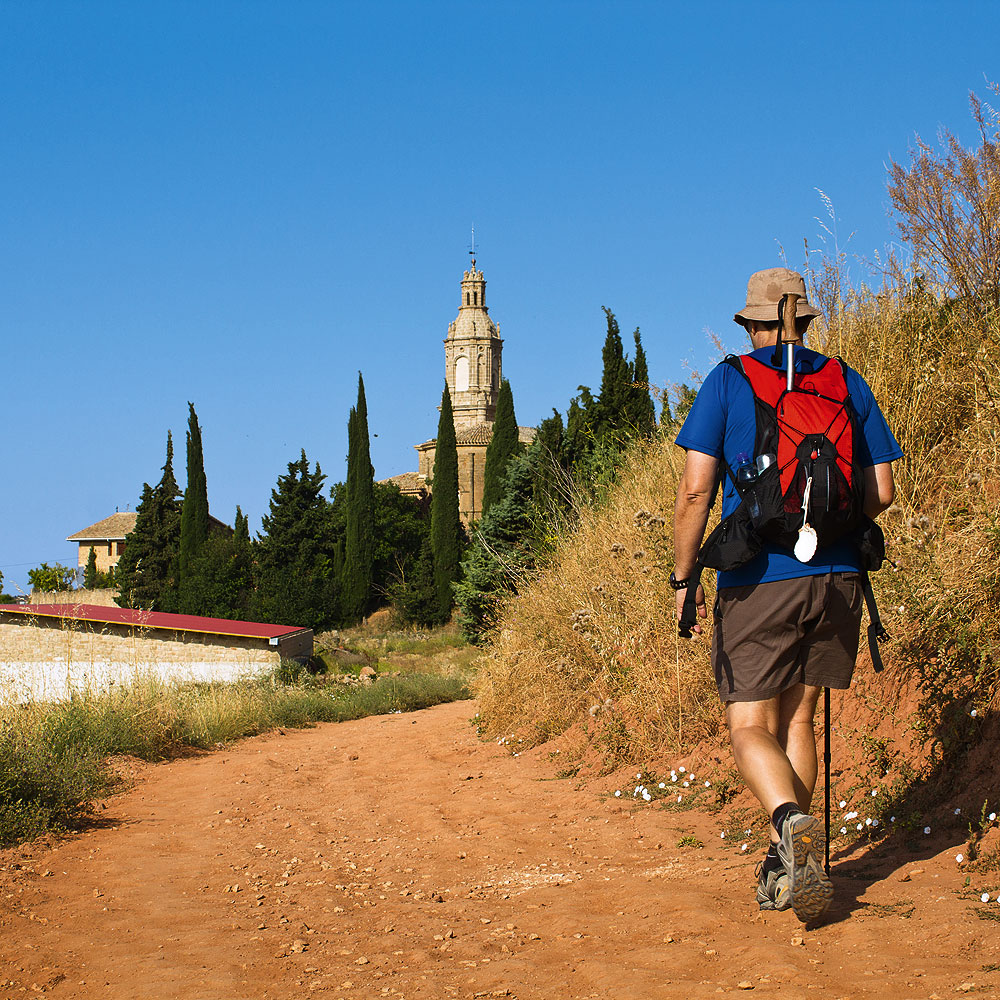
[151, 619]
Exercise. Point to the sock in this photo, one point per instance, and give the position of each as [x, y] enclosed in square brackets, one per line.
[771, 860]
[781, 813]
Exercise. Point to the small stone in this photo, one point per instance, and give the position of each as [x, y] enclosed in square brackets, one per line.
[965, 988]
[299, 946]
[361, 961]
[744, 985]
[710, 953]
[797, 940]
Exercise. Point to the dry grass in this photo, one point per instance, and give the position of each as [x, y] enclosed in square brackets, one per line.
[592, 638]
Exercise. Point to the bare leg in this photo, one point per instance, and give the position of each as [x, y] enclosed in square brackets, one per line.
[774, 747]
[798, 739]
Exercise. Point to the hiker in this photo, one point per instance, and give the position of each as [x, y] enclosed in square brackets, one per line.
[786, 621]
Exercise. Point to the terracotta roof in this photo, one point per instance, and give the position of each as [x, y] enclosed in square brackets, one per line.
[476, 434]
[408, 482]
[112, 528]
[117, 526]
[151, 619]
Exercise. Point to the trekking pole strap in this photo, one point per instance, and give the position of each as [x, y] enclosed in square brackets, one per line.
[689, 612]
[876, 631]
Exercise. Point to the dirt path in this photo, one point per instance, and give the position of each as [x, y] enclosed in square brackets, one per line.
[399, 856]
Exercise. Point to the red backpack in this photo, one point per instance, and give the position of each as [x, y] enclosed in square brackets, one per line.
[805, 472]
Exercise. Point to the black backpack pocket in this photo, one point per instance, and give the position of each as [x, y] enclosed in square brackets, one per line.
[871, 545]
[733, 543]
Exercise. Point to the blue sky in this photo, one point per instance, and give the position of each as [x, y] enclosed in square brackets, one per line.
[243, 204]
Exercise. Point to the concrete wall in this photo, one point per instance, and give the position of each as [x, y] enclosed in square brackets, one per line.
[45, 659]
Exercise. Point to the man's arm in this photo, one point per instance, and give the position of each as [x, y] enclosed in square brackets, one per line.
[694, 499]
[880, 488]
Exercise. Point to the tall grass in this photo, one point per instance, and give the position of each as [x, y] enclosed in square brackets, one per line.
[54, 757]
[593, 637]
[591, 641]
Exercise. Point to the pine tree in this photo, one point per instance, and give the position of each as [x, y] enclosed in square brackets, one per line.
[446, 529]
[642, 412]
[505, 548]
[359, 538]
[220, 576]
[90, 574]
[148, 569]
[194, 514]
[504, 445]
[298, 574]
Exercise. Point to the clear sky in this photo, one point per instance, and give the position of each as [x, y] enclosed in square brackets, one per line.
[243, 204]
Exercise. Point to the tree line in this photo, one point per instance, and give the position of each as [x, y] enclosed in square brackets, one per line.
[328, 556]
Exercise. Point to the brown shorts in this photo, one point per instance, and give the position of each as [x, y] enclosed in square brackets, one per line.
[770, 636]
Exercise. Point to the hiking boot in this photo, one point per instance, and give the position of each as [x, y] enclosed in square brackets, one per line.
[772, 889]
[801, 848]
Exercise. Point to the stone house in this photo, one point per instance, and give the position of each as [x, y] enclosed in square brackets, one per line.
[107, 538]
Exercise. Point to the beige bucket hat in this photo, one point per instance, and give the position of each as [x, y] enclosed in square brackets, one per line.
[765, 288]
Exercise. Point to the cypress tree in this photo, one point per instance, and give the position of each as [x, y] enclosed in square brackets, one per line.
[445, 524]
[194, 514]
[642, 418]
[616, 381]
[359, 537]
[90, 574]
[148, 569]
[503, 446]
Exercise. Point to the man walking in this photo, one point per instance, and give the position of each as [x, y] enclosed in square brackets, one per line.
[783, 628]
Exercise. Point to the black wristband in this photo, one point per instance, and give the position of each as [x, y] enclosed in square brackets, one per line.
[678, 584]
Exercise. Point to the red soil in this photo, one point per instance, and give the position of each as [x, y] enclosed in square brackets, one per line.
[400, 856]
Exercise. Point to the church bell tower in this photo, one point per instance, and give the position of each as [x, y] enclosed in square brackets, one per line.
[472, 351]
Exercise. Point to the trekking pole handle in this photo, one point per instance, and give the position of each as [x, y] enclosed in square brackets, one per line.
[788, 334]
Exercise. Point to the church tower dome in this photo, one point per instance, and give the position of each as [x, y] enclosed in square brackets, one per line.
[473, 350]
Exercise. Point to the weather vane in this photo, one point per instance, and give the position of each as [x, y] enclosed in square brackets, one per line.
[472, 251]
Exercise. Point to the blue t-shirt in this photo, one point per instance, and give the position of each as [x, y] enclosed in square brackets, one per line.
[722, 424]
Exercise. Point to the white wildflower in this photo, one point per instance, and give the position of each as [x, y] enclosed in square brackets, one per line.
[959, 858]
[708, 784]
[927, 830]
[843, 829]
[843, 803]
[985, 897]
[618, 794]
[744, 847]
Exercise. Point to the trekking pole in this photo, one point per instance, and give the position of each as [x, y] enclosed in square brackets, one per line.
[826, 761]
[788, 318]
